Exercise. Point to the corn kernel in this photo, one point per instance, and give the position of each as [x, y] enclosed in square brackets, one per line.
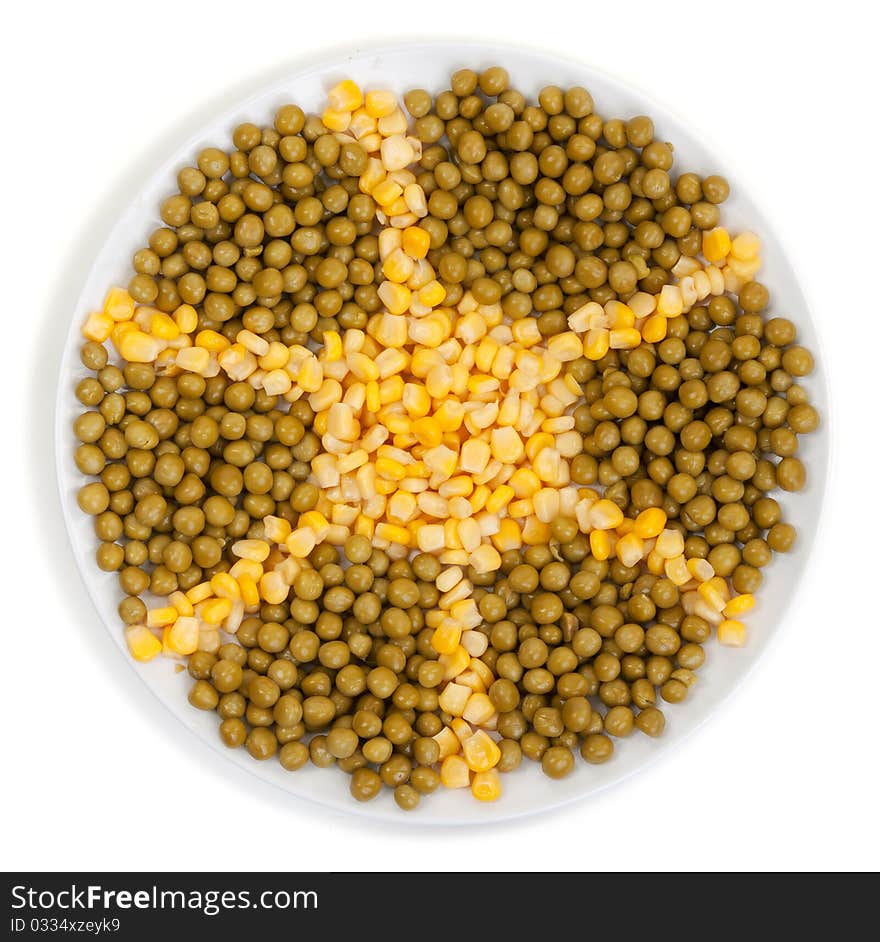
[600, 544]
[345, 96]
[486, 786]
[732, 633]
[739, 604]
[142, 643]
[446, 637]
[257, 550]
[654, 329]
[650, 523]
[454, 698]
[183, 636]
[98, 327]
[454, 772]
[213, 611]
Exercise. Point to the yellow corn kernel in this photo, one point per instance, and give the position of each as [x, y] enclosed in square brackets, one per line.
[712, 596]
[335, 120]
[224, 586]
[159, 617]
[213, 611]
[630, 549]
[398, 267]
[143, 645]
[316, 521]
[507, 446]
[475, 455]
[450, 415]
[364, 526]
[486, 786]
[193, 359]
[739, 604]
[394, 123]
[650, 523]
[701, 569]
[625, 526]
[98, 327]
[416, 241]
[480, 751]
[431, 538]
[396, 153]
[276, 529]
[332, 346]
[525, 483]
[454, 697]
[676, 570]
[186, 317]
[198, 593]
[508, 537]
[669, 301]
[396, 298]
[211, 341]
[716, 244]
[500, 498]
[386, 192]
[453, 664]
[250, 593]
[380, 103]
[345, 96]
[485, 558]
[163, 327]
[273, 588]
[670, 543]
[446, 637]
[401, 507]
[597, 342]
[625, 338]
[432, 294]
[301, 542]
[257, 550]
[732, 633]
[179, 600]
[600, 544]
[654, 329]
[414, 197]
[448, 742]
[479, 709]
[119, 304]
[183, 636]
[441, 460]
[393, 533]
[655, 563]
[519, 509]
[534, 532]
[138, 347]
[120, 329]
[454, 772]
[619, 315]
[428, 431]
[416, 400]
[311, 375]
[390, 469]
[745, 246]
[605, 515]
[277, 382]
[252, 342]
[461, 729]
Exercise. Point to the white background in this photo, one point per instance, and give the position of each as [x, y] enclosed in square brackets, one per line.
[96, 775]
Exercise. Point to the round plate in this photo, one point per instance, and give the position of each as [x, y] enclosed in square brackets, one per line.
[429, 65]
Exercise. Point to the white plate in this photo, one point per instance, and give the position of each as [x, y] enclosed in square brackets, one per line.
[429, 65]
